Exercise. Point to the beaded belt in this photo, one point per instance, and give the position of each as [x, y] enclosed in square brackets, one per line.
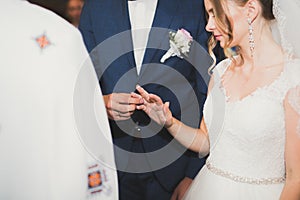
[236, 178]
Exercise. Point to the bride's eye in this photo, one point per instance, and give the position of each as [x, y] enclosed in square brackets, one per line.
[211, 13]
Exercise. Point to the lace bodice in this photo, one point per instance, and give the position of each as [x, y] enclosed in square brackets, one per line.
[249, 138]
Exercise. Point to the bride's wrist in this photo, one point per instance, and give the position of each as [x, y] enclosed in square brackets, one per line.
[169, 124]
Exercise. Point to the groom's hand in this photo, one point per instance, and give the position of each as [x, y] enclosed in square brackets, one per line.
[181, 188]
[120, 106]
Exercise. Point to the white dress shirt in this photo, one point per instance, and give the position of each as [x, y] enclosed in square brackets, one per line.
[141, 13]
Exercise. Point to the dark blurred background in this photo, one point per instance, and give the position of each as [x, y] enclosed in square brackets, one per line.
[68, 9]
[58, 6]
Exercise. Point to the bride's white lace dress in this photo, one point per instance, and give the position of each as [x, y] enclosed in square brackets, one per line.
[246, 158]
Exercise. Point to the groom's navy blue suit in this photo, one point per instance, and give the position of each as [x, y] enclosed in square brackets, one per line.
[178, 83]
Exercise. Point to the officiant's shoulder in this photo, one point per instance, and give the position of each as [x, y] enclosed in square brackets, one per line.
[40, 18]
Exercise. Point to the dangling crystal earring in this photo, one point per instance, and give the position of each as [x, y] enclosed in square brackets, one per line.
[251, 37]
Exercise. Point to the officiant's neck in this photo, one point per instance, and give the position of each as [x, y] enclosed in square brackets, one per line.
[265, 47]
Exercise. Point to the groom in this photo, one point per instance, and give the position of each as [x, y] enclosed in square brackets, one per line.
[151, 164]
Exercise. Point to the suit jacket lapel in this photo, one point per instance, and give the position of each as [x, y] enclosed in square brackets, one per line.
[165, 12]
[126, 37]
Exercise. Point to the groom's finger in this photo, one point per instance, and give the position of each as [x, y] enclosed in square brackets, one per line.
[138, 98]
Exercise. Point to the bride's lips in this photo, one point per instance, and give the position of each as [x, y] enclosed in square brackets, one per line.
[218, 37]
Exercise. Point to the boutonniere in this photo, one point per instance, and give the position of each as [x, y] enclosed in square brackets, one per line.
[180, 43]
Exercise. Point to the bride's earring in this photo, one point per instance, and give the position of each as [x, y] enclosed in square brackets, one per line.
[251, 37]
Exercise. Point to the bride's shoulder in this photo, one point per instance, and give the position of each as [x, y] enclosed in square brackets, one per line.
[293, 70]
[293, 64]
[221, 67]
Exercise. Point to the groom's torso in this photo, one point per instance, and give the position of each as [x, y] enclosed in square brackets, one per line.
[175, 80]
[115, 62]
[112, 52]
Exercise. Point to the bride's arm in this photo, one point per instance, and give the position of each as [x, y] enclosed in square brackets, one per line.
[193, 138]
[291, 189]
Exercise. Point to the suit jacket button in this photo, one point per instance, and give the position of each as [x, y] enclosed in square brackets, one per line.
[138, 129]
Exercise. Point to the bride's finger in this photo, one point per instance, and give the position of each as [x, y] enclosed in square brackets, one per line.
[141, 107]
[166, 107]
[143, 92]
[155, 99]
[167, 104]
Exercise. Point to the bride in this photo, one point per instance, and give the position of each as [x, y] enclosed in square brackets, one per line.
[255, 152]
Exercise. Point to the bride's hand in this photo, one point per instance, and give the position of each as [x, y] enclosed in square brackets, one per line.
[154, 107]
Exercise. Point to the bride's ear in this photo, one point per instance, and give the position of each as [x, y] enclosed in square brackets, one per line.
[254, 9]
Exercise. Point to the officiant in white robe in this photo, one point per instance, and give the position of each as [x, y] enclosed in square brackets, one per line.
[55, 141]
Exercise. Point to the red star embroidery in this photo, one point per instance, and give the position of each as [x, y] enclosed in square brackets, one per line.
[42, 41]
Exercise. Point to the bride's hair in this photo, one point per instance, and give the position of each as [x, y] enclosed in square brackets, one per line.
[223, 21]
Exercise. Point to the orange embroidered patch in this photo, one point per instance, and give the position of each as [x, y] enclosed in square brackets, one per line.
[94, 179]
[42, 41]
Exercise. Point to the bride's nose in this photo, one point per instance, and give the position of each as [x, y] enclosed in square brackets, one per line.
[210, 26]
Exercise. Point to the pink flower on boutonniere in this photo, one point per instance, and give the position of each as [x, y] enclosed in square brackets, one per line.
[180, 43]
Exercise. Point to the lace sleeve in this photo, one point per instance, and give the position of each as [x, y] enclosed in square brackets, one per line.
[292, 145]
[293, 100]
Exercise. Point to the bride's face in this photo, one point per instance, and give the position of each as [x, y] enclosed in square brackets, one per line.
[236, 26]
[212, 26]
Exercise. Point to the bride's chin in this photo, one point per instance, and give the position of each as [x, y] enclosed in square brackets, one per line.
[221, 43]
